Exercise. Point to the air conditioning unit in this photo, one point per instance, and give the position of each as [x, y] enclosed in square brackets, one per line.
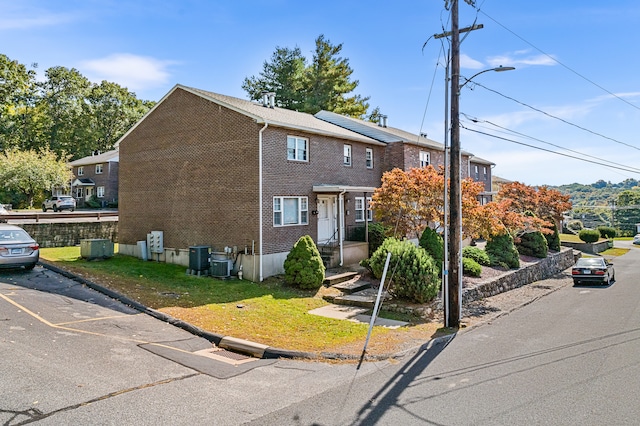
[96, 249]
[221, 268]
[199, 259]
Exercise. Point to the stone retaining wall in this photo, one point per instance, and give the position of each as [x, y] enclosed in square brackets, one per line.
[69, 234]
[545, 268]
[593, 248]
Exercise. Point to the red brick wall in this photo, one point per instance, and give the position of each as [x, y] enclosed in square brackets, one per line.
[190, 169]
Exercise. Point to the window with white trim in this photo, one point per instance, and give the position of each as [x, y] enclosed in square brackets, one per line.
[347, 155]
[361, 207]
[368, 154]
[79, 192]
[100, 191]
[290, 211]
[297, 148]
[475, 169]
[99, 169]
[425, 158]
[484, 172]
[80, 171]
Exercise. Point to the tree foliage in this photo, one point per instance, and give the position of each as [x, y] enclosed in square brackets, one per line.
[65, 113]
[32, 172]
[324, 84]
[410, 201]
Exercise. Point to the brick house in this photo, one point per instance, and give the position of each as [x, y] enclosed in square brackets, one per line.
[407, 150]
[96, 175]
[248, 177]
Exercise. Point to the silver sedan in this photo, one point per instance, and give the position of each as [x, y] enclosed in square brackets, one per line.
[17, 248]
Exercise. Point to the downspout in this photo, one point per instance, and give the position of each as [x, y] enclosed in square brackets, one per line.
[341, 225]
[260, 244]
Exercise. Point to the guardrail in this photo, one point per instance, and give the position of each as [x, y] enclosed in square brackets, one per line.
[38, 216]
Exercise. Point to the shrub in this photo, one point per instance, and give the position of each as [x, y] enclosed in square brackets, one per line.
[575, 225]
[471, 267]
[413, 273]
[303, 266]
[607, 231]
[377, 235]
[553, 240]
[502, 251]
[477, 254]
[589, 235]
[432, 242]
[93, 202]
[533, 244]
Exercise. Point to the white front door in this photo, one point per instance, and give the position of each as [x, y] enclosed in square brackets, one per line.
[327, 219]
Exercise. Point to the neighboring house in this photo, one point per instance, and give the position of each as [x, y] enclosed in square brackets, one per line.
[498, 183]
[96, 175]
[407, 150]
[213, 170]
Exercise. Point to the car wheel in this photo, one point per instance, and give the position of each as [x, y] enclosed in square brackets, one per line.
[71, 209]
[576, 282]
[30, 266]
[44, 208]
[55, 208]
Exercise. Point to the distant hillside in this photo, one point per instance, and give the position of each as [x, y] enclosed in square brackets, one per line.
[600, 193]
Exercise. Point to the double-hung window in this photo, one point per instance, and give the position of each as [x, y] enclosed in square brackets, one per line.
[100, 191]
[362, 206]
[347, 155]
[290, 211]
[369, 158]
[297, 148]
[80, 171]
[425, 158]
[98, 169]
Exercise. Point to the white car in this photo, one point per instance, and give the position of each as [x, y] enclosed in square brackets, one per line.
[60, 202]
[636, 239]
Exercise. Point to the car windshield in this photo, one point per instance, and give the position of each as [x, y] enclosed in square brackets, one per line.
[13, 236]
[584, 262]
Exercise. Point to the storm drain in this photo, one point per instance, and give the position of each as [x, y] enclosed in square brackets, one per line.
[223, 355]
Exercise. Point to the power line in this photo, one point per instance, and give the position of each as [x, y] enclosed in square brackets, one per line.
[557, 118]
[551, 151]
[560, 63]
[476, 121]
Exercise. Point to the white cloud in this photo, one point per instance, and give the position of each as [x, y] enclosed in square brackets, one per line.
[17, 16]
[470, 63]
[521, 58]
[131, 71]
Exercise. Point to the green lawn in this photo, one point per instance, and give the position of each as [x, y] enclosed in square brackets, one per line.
[268, 312]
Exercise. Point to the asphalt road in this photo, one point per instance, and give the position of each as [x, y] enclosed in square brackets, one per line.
[72, 356]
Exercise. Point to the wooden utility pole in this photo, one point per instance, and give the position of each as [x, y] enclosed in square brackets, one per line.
[455, 222]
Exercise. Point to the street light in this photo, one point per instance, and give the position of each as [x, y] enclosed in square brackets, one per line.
[453, 276]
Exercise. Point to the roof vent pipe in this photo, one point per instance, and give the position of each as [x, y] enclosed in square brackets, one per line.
[272, 99]
[265, 99]
[384, 120]
[381, 121]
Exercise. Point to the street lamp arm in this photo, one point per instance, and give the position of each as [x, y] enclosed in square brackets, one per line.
[496, 69]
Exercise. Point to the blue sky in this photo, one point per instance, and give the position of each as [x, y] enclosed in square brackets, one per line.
[575, 90]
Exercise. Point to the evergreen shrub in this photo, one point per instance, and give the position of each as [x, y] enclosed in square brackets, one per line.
[432, 242]
[304, 267]
[477, 254]
[607, 231]
[471, 267]
[377, 235]
[413, 272]
[553, 240]
[575, 225]
[502, 251]
[589, 235]
[533, 244]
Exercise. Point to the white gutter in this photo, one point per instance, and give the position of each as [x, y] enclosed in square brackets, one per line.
[260, 197]
[341, 224]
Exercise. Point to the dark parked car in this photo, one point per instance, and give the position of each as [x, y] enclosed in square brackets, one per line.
[17, 248]
[593, 269]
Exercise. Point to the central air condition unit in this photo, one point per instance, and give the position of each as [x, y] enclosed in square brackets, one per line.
[198, 259]
[221, 268]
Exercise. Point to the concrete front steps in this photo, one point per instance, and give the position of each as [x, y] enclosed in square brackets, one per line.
[354, 291]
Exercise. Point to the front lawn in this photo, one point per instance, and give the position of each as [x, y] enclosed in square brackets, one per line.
[270, 312]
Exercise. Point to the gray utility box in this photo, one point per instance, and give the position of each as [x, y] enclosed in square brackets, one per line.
[96, 249]
[199, 259]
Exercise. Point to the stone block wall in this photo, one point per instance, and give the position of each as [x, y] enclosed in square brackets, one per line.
[69, 234]
[545, 268]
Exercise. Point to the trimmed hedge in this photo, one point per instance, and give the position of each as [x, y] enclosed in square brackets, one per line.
[589, 235]
[432, 242]
[471, 267]
[533, 244]
[476, 253]
[606, 231]
[502, 251]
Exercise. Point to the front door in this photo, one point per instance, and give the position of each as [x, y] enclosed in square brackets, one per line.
[327, 216]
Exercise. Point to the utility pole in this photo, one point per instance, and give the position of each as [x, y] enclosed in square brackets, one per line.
[455, 228]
